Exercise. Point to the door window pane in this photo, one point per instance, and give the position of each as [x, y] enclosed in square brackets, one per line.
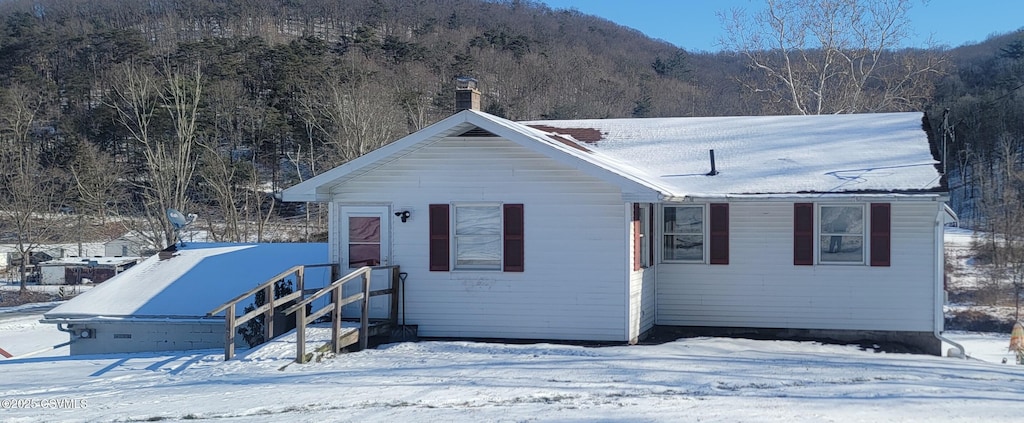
[363, 241]
[364, 229]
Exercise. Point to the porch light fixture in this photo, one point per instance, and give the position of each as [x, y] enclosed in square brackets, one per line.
[404, 215]
[85, 333]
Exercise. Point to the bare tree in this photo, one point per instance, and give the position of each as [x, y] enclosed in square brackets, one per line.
[170, 160]
[1004, 211]
[98, 181]
[347, 113]
[363, 112]
[834, 56]
[29, 192]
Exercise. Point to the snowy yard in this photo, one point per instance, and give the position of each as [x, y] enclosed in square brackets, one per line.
[699, 379]
[696, 379]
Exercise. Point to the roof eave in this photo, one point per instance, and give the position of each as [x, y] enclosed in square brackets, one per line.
[907, 195]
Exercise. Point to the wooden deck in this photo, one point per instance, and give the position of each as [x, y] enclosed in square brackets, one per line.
[317, 343]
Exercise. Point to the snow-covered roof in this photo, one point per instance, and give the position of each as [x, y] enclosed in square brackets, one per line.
[86, 261]
[319, 187]
[133, 237]
[198, 278]
[879, 152]
[668, 158]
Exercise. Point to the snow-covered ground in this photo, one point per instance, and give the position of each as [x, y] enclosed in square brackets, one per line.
[698, 379]
[971, 285]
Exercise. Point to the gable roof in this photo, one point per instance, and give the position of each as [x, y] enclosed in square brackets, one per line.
[668, 158]
[197, 279]
[560, 149]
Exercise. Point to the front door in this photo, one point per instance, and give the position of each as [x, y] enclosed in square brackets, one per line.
[366, 241]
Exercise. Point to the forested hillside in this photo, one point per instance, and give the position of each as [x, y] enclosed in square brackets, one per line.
[984, 129]
[117, 110]
[125, 108]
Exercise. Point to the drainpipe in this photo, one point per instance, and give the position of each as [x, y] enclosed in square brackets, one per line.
[67, 329]
[939, 284]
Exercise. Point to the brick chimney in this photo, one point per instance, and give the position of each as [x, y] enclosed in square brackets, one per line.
[466, 94]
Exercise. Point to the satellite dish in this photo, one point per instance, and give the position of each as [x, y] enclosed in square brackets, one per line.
[179, 221]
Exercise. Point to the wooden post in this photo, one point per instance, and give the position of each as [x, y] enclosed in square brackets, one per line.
[395, 290]
[268, 316]
[336, 319]
[364, 320]
[300, 285]
[300, 335]
[229, 338]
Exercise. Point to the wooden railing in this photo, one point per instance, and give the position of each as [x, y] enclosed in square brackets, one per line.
[334, 306]
[232, 323]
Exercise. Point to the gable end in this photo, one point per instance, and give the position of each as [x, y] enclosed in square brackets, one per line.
[476, 131]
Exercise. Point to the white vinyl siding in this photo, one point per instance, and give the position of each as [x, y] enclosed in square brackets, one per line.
[762, 288]
[575, 282]
[641, 282]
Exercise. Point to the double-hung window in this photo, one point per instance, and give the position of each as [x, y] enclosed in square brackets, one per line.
[841, 234]
[642, 241]
[478, 237]
[683, 228]
[645, 235]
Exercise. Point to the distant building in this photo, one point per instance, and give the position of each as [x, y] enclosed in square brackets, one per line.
[131, 244]
[79, 270]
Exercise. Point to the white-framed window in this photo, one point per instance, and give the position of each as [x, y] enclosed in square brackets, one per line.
[645, 240]
[841, 237]
[478, 229]
[683, 228]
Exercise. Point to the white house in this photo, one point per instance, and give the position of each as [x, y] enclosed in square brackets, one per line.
[130, 244]
[599, 230]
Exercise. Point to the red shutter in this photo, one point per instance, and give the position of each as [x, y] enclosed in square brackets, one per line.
[439, 244]
[515, 252]
[636, 237]
[881, 223]
[719, 233]
[650, 235]
[803, 234]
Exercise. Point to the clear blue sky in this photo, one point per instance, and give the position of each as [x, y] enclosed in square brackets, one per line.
[694, 26]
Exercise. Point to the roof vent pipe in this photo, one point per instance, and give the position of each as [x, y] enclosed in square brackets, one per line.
[713, 172]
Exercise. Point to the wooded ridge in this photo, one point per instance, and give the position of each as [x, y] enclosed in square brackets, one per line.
[121, 109]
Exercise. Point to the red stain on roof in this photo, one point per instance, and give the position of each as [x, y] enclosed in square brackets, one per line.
[587, 135]
[562, 135]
